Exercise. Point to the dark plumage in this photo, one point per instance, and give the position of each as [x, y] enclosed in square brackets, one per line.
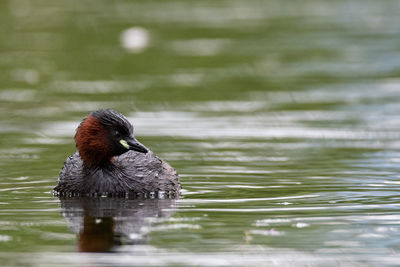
[110, 161]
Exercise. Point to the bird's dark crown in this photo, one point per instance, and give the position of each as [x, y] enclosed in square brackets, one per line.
[113, 120]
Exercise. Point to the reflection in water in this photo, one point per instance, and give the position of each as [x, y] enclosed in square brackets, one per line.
[104, 223]
[97, 234]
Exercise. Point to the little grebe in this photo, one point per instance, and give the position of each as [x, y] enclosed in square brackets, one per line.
[111, 162]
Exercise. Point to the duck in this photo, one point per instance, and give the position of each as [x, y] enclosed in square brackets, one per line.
[111, 162]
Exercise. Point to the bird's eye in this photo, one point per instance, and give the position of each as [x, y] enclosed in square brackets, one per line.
[117, 134]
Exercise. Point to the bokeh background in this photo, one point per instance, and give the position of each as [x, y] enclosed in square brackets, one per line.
[282, 118]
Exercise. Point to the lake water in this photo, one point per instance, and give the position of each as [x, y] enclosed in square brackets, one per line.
[281, 117]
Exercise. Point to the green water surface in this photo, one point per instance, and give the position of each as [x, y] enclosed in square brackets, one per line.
[281, 117]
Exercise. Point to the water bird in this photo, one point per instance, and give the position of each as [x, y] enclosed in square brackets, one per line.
[109, 161]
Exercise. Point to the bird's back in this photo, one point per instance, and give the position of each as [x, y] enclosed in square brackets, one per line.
[132, 173]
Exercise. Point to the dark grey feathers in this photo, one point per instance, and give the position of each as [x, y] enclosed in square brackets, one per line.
[132, 173]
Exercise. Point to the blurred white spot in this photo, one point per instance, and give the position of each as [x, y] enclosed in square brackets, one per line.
[285, 203]
[376, 185]
[135, 39]
[301, 225]
[134, 236]
[384, 229]
[391, 182]
[5, 238]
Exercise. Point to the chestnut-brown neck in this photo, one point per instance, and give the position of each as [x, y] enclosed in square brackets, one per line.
[92, 142]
